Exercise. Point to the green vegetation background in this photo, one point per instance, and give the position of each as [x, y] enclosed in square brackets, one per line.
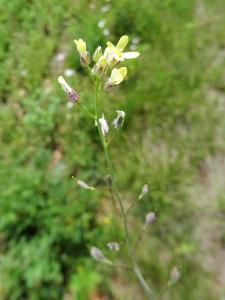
[174, 103]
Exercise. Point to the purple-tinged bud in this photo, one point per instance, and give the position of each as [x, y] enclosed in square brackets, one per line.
[84, 55]
[85, 62]
[145, 190]
[174, 276]
[97, 255]
[150, 219]
[114, 246]
[83, 184]
[70, 93]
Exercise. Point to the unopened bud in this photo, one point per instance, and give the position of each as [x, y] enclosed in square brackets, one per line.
[84, 55]
[97, 54]
[100, 67]
[70, 93]
[174, 275]
[83, 184]
[150, 219]
[109, 181]
[72, 96]
[114, 246]
[97, 255]
[145, 190]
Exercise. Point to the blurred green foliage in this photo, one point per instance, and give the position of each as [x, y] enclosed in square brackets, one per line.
[171, 126]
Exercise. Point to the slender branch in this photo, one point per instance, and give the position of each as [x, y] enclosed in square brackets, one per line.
[91, 75]
[107, 144]
[135, 265]
[135, 203]
[164, 291]
[139, 237]
[85, 110]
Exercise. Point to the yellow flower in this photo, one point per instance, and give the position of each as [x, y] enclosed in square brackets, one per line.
[100, 67]
[117, 76]
[112, 58]
[118, 50]
[84, 55]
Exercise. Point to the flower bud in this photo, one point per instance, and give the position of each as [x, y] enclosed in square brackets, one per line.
[70, 93]
[97, 54]
[174, 275]
[83, 184]
[114, 246]
[150, 219]
[104, 125]
[100, 67]
[145, 190]
[84, 55]
[97, 255]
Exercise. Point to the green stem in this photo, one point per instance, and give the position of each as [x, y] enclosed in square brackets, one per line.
[86, 110]
[91, 75]
[123, 216]
[107, 144]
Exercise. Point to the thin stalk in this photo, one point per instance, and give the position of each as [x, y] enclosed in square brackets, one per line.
[123, 216]
[164, 291]
[85, 110]
[91, 75]
[135, 203]
[107, 144]
[139, 237]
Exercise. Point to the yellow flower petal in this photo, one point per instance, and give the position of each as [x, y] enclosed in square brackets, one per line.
[116, 76]
[122, 43]
[112, 47]
[123, 71]
[129, 55]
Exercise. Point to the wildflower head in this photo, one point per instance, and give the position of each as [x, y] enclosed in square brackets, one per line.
[84, 55]
[100, 67]
[97, 54]
[120, 119]
[150, 219]
[114, 246]
[70, 93]
[117, 76]
[119, 49]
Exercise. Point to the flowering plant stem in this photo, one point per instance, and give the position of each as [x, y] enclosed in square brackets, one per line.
[123, 215]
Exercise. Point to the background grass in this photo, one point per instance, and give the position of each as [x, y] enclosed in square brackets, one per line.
[173, 136]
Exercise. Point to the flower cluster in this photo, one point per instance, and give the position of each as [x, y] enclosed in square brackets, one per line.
[111, 58]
